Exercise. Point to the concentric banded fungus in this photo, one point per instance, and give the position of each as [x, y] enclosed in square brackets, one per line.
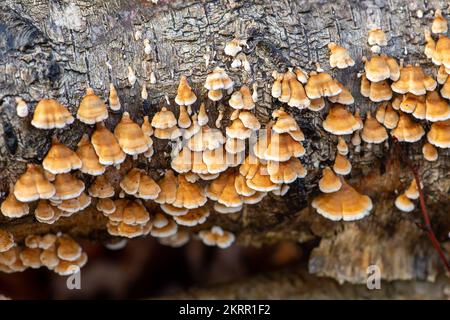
[6, 240]
[50, 114]
[242, 99]
[193, 217]
[216, 236]
[146, 127]
[67, 187]
[339, 56]
[340, 121]
[377, 37]
[163, 226]
[341, 165]
[285, 123]
[32, 185]
[413, 80]
[223, 190]
[75, 205]
[375, 91]
[439, 24]
[188, 195]
[373, 131]
[345, 97]
[130, 136]
[404, 204]
[220, 208]
[380, 68]
[321, 85]
[346, 204]
[206, 139]
[329, 181]
[107, 206]
[168, 186]
[92, 109]
[441, 54]
[90, 163]
[281, 147]
[407, 130]
[439, 134]
[45, 213]
[60, 159]
[13, 208]
[114, 102]
[437, 109]
[285, 172]
[185, 95]
[101, 188]
[430, 152]
[106, 146]
[217, 81]
[412, 102]
[165, 125]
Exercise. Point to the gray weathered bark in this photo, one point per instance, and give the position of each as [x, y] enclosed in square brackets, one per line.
[57, 48]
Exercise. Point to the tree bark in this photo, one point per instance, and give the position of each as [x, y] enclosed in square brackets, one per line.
[58, 48]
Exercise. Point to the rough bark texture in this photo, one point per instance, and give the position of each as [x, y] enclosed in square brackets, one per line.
[56, 48]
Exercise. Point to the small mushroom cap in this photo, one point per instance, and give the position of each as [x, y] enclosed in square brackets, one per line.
[31, 257]
[380, 68]
[286, 172]
[207, 138]
[202, 116]
[377, 37]
[339, 56]
[430, 152]
[65, 268]
[60, 159]
[135, 213]
[223, 190]
[216, 236]
[373, 131]
[173, 211]
[237, 130]
[179, 239]
[380, 91]
[342, 146]
[249, 120]
[412, 192]
[296, 95]
[74, 205]
[106, 146]
[439, 24]
[13, 208]
[215, 95]
[276, 86]
[130, 136]
[107, 206]
[168, 134]
[329, 181]
[317, 104]
[240, 184]
[44, 212]
[282, 147]
[67, 187]
[164, 119]
[345, 97]
[50, 114]
[9, 256]
[215, 160]
[184, 121]
[411, 102]
[437, 109]
[218, 80]
[148, 188]
[407, 130]
[233, 47]
[185, 95]
[6, 240]
[413, 80]
[101, 188]
[391, 117]
[341, 165]
[32, 185]
[345, 204]
[404, 204]
[193, 217]
[92, 109]
[146, 127]
[340, 121]
[68, 249]
[321, 85]
[430, 45]
[440, 55]
[285, 123]
[130, 182]
[168, 230]
[439, 134]
[49, 258]
[261, 181]
[188, 195]
[234, 146]
[114, 102]
[220, 208]
[168, 185]
[90, 163]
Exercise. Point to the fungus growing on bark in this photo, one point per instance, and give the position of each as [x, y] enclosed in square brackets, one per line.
[6, 240]
[439, 24]
[340, 121]
[33, 185]
[233, 47]
[46, 213]
[412, 192]
[185, 95]
[75, 205]
[179, 239]
[382, 67]
[21, 107]
[441, 53]
[60, 159]
[114, 102]
[285, 172]
[216, 236]
[67, 187]
[345, 97]
[377, 37]
[188, 195]
[339, 56]
[413, 80]
[342, 165]
[13, 208]
[403, 203]
[375, 91]
[107, 206]
[184, 121]
[106, 146]
[288, 89]
[430, 45]
[429, 152]
[342, 146]
[329, 181]
[193, 217]
[373, 131]
[407, 130]
[101, 188]
[92, 109]
[90, 163]
[437, 109]
[50, 114]
[439, 134]
[321, 85]
[223, 190]
[217, 81]
[242, 99]
[130, 136]
[345, 204]
[165, 125]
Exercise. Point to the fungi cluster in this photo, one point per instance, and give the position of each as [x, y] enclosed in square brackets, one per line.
[219, 169]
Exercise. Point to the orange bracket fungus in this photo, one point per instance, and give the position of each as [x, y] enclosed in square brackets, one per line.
[50, 114]
[92, 109]
[339, 56]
